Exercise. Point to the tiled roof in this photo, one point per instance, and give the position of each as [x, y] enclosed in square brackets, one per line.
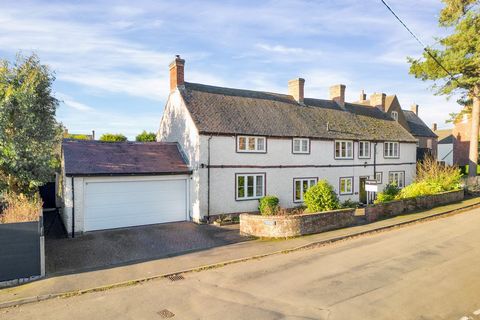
[217, 110]
[445, 136]
[417, 126]
[84, 158]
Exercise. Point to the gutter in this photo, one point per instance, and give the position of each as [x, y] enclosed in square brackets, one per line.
[128, 174]
[208, 181]
[73, 207]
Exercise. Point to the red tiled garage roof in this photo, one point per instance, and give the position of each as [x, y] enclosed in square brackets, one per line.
[90, 158]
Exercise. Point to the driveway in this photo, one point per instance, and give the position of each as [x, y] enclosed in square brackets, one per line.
[104, 249]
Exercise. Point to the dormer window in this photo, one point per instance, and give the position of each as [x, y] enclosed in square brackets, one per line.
[394, 115]
[251, 144]
[301, 145]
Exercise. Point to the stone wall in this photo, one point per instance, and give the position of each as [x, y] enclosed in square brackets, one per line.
[295, 225]
[393, 208]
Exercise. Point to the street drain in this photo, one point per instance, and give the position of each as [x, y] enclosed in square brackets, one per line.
[176, 277]
[165, 314]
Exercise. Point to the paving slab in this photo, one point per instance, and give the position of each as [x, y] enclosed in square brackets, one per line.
[234, 253]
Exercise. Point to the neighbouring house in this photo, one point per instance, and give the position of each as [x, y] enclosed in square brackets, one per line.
[409, 119]
[68, 135]
[445, 144]
[244, 144]
[112, 185]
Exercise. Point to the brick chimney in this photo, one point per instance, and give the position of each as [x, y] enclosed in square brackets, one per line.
[337, 94]
[434, 127]
[414, 108]
[296, 89]
[363, 96]
[177, 67]
[378, 100]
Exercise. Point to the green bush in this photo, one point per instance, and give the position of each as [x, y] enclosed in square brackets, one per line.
[321, 197]
[146, 137]
[268, 205]
[438, 175]
[418, 189]
[349, 204]
[388, 194]
[113, 137]
[78, 137]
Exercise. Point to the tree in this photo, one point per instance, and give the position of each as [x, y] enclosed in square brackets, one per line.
[113, 137]
[29, 132]
[146, 137]
[459, 53]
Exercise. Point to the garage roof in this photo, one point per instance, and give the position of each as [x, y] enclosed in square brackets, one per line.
[96, 158]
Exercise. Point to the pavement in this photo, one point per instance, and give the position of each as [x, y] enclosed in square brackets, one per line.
[423, 271]
[106, 249]
[126, 275]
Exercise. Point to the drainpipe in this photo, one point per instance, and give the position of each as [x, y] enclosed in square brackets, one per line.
[375, 161]
[208, 181]
[73, 207]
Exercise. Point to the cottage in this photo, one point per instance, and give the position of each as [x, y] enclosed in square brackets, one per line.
[244, 144]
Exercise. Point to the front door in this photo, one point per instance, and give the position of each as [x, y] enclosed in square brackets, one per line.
[363, 192]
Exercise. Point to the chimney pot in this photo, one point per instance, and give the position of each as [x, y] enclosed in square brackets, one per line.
[363, 96]
[378, 100]
[296, 89]
[434, 127]
[337, 94]
[414, 108]
[177, 67]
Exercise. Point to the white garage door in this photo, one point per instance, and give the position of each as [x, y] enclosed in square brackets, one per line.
[121, 204]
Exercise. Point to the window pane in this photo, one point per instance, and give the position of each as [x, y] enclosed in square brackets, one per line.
[260, 144]
[298, 194]
[337, 149]
[312, 182]
[305, 145]
[241, 186]
[342, 185]
[296, 145]
[395, 149]
[259, 191]
[250, 186]
[344, 149]
[360, 149]
[251, 143]
[305, 185]
[242, 143]
[366, 149]
[349, 185]
[349, 149]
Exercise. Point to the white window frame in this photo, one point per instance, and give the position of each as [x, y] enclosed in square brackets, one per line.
[310, 182]
[256, 144]
[398, 177]
[389, 149]
[245, 176]
[340, 185]
[378, 177]
[361, 154]
[394, 115]
[341, 149]
[302, 142]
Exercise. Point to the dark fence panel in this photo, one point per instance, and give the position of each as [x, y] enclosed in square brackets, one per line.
[47, 193]
[20, 250]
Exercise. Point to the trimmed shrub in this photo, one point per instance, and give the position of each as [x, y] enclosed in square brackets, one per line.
[419, 189]
[321, 197]
[268, 205]
[20, 208]
[388, 194]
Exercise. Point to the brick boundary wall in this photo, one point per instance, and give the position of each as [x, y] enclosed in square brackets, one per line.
[393, 208]
[295, 225]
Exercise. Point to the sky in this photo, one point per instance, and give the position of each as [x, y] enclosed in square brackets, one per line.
[111, 58]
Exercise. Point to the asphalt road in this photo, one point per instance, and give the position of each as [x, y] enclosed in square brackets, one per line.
[429, 270]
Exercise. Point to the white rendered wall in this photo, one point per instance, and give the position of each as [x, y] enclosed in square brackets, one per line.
[445, 153]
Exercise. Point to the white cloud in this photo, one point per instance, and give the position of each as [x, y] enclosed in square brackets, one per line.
[72, 103]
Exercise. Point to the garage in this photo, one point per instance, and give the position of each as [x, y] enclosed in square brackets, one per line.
[125, 203]
[122, 184]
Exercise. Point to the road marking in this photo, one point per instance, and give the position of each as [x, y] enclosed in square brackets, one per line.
[476, 312]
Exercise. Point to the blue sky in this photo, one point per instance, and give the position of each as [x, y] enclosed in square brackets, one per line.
[111, 57]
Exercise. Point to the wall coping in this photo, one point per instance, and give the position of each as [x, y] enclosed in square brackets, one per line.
[259, 216]
[425, 196]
